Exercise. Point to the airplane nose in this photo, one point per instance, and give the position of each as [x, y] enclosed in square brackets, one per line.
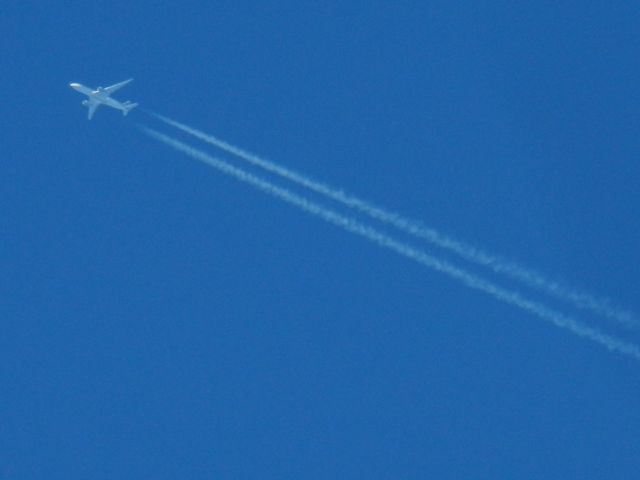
[74, 85]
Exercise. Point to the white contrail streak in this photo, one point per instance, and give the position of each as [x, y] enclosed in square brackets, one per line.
[528, 277]
[418, 256]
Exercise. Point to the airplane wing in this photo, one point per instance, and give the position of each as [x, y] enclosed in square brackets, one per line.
[117, 86]
[91, 106]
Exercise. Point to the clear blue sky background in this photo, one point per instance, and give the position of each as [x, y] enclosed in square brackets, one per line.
[161, 321]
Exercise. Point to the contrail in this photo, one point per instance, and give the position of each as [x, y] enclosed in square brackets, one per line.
[350, 225]
[600, 306]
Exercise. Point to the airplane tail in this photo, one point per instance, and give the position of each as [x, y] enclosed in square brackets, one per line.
[127, 107]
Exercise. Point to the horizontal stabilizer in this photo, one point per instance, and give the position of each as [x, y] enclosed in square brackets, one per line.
[128, 106]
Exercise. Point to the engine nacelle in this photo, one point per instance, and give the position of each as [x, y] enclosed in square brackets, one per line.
[85, 102]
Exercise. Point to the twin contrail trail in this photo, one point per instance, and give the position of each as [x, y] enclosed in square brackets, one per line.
[350, 225]
[470, 253]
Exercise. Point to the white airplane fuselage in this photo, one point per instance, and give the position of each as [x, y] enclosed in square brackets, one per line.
[102, 96]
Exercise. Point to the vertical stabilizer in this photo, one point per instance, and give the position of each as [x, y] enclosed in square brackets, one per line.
[127, 107]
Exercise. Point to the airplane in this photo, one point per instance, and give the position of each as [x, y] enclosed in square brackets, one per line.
[102, 96]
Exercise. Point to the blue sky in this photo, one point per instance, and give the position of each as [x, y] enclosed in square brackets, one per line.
[161, 320]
